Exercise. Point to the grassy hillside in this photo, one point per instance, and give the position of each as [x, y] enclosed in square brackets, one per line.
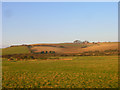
[75, 48]
[102, 47]
[64, 48]
[15, 50]
[81, 72]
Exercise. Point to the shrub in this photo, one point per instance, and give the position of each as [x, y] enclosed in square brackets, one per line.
[11, 58]
[53, 51]
[46, 52]
[50, 51]
[32, 57]
[42, 52]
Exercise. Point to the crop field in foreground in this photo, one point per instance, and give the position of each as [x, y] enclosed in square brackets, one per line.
[80, 72]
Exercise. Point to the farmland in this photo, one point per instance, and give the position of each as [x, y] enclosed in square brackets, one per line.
[64, 48]
[15, 50]
[59, 45]
[70, 66]
[70, 48]
[80, 72]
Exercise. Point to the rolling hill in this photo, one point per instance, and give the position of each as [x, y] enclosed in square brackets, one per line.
[75, 48]
[61, 48]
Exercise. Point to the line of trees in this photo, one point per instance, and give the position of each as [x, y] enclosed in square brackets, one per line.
[44, 52]
[80, 42]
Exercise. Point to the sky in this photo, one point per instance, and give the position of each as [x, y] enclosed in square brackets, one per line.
[58, 22]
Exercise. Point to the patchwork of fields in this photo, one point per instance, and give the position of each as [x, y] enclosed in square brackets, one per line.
[68, 48]
[63, 48]
[80, 72]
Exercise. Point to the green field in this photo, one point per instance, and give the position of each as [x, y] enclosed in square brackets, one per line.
[81, 72]
[15, 50]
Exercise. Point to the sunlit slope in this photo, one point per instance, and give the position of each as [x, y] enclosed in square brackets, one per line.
[15, 50]
[102, 47]
[76, 48]
[63, 48]
[59, 48]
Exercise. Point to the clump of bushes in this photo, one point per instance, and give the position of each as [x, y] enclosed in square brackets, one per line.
[44, 52]
[25, 56]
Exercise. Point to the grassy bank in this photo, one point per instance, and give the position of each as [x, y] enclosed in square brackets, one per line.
[15, 50]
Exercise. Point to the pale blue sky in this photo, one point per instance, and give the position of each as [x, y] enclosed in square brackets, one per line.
[51, 22]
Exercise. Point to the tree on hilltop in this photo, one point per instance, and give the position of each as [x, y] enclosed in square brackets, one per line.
[77, 41]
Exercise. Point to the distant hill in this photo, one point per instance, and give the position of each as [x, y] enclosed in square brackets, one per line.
[62, 48]
[74, 48]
